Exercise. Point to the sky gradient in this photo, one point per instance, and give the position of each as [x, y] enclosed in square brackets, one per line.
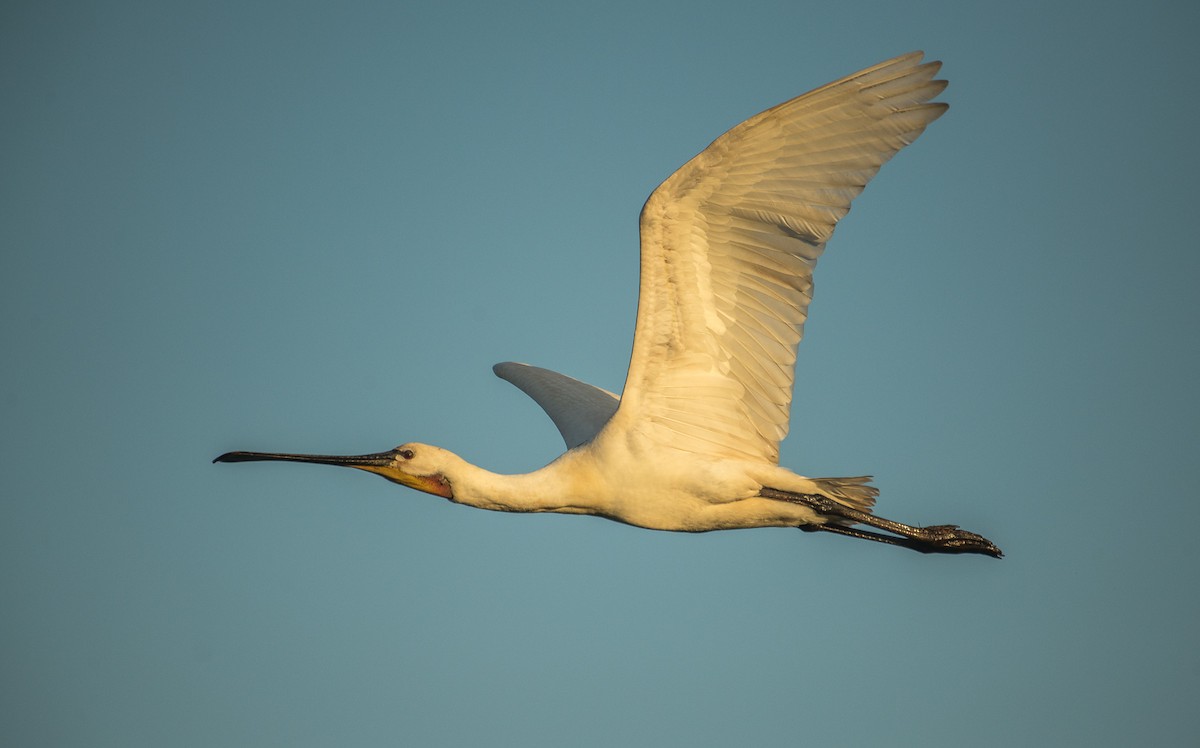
[315, 226]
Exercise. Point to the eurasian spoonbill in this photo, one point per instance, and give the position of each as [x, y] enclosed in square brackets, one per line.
[728, 247]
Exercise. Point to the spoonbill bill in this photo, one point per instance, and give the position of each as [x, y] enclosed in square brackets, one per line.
[728, 247]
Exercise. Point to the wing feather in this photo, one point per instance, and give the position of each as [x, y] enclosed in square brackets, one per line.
[729, 243]
[579, 410]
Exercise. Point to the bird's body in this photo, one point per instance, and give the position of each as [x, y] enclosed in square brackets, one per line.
[653, 489]
[729, 243]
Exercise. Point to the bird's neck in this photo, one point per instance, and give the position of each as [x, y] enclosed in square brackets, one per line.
[550, 489]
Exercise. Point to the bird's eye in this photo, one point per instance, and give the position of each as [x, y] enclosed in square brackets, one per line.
[405, 453]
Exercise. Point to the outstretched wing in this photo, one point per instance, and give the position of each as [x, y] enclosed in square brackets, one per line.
[578, 409]
[729, 243]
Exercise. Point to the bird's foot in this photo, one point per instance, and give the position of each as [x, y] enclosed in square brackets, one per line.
[953, 539]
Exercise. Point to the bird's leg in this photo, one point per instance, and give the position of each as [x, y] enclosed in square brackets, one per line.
[932, 539]
[854, 532]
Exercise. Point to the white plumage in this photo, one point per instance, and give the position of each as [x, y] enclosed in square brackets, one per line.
[578, 409]
[729, 244]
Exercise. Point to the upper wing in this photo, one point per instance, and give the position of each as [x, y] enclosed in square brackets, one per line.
[729, 243]
[578, 409]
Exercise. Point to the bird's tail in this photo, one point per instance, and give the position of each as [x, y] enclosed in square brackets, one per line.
[853, 492]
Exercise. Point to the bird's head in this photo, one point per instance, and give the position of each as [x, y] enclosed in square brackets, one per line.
[418, 466]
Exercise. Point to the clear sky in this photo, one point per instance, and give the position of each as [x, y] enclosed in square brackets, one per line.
[314, 226]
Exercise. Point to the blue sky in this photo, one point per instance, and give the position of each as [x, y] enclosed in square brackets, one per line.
[315, 226]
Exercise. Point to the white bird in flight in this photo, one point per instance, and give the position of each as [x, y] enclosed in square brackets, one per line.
[728, 246]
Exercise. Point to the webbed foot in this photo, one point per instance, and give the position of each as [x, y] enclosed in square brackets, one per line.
[953, 539]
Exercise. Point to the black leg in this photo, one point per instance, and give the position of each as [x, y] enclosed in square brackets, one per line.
[933, 539]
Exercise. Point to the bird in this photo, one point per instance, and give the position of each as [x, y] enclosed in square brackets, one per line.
[729, 243]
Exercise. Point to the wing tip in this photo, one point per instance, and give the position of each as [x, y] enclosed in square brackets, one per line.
[505, 369]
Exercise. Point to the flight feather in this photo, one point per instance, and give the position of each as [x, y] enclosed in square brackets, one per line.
[729, 243]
